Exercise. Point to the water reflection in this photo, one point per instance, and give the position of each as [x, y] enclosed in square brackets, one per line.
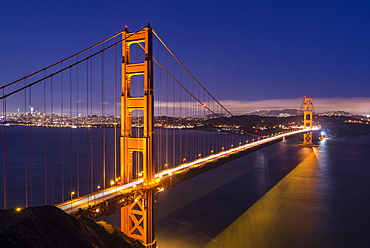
[195, 222]
[285, 215]
[261, 160]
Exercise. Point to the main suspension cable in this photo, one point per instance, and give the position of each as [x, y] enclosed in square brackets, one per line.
[61, 70]
[70, 57]
[183, 66]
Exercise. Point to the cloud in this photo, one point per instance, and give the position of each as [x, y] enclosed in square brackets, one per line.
[355, 105]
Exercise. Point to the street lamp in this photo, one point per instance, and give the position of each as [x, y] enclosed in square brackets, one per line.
[72, 193]
[112, 184]
[98, 187]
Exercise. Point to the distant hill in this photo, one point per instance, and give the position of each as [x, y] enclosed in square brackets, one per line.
[336, 113]
[275, 113]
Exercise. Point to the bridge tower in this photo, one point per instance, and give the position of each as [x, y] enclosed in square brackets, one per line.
[137, 217]
[307, 121]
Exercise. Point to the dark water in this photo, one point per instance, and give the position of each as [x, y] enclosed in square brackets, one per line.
[280, 196]
[43, 165]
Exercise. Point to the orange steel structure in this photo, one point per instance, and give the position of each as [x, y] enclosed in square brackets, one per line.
[137, 218]
[307, 120]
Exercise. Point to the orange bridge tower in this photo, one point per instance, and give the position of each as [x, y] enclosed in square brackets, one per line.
[137, 217]
[307, 121]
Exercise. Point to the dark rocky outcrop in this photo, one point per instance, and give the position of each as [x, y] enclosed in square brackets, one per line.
[48, 226]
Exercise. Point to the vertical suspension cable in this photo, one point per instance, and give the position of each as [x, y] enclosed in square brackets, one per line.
[70, 130]
[181, 123]
[115, 112]
[196, 133]
[187, 119]
[160, 95]
[30, 145]
[88, 178]
[103, 114]
[4, 154]
[52, 143]
[45, 171]
[204, 127]
[25, 149]
[90, 137]
[62, 117]
[174, 118]
[77, 134]
[167, 124]
[158, 118]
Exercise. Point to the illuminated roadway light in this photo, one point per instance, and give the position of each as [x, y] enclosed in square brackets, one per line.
[83, 201]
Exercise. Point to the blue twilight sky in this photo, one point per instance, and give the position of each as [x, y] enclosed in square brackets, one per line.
[248, 54]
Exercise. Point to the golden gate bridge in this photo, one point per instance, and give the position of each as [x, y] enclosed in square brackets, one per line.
[113, 125]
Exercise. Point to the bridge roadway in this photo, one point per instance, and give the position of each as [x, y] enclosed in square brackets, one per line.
[93, 201]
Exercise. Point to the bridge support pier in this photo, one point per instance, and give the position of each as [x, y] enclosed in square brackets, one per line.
[137, 151]
[137, 219]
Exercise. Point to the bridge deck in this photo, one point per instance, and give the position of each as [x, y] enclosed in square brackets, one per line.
[96, 201]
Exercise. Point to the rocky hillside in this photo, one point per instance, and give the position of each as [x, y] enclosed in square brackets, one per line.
[48, 226]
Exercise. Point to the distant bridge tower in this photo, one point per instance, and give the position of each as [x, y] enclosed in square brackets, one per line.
[307, 121]
[137, 218]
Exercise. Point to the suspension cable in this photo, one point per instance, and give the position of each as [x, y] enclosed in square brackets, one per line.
[70, 57]
[64, 69]
[192, 95]
[183, 66]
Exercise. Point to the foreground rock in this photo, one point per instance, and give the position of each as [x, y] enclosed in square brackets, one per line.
[48, 226]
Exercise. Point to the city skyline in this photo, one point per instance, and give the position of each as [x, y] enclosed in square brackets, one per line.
[271, 53]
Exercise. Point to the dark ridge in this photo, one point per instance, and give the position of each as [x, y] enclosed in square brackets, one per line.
[48, 226]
